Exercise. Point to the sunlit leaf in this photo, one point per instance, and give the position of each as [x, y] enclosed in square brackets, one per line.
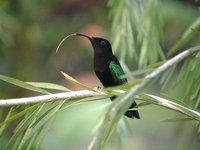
[75, 82]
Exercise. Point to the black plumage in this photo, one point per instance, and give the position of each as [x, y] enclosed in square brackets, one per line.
[107, 67]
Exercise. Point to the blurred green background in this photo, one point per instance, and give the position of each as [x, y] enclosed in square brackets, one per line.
[29, 34]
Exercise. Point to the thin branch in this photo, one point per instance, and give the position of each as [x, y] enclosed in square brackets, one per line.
[50, 97]
[86, 93]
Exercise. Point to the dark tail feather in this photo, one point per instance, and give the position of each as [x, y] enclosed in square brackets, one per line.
[131, 113]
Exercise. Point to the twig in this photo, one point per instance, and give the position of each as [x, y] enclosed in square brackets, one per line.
[50, 97]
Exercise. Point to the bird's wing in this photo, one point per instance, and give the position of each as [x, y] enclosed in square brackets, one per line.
[117, 71]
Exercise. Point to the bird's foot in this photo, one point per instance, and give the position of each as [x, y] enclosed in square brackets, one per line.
[99, 87]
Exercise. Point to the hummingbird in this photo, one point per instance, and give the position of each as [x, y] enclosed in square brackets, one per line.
[107, 67]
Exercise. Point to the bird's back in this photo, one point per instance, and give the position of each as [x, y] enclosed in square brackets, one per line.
[111, 74]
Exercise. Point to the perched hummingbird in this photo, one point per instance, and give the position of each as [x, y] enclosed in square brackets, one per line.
[107, 67]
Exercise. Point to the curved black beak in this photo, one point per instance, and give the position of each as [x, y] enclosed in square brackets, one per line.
[73, 34]
[84, 35]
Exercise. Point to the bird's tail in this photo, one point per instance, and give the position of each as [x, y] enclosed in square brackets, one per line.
[131, 113]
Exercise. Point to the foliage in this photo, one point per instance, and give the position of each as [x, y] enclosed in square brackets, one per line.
[138, 33]
[137, 25]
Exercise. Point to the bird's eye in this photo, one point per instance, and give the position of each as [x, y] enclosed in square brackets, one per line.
[103, 42]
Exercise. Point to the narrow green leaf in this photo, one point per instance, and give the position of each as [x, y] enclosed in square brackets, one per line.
[138, 72]
[75, 82]
[177, 119]
[43, 133]
[48, 86]
[110, 120]
[22, 126]
[20, 145]
[80, 101]
[30, 143]
[2, 127]
[143, 104]
[22, 84]
[125, 86]
[187, 35]
[195, 31]
[31, 127]
[164, 81]
[157, 64]
[17, 115]
[173, 106]
[45, 118]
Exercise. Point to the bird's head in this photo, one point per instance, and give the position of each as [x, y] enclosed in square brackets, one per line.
[102, 50]
[100, 45]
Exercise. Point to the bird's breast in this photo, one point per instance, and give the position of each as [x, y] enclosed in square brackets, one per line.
[101, 63]
[105, 77]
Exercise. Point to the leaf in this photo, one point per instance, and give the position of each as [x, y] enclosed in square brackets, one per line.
[22, 84]
[31, 143]
[17, 115]
[22, 126]
[164, 81]
[42, 135]
[143, 104]
[2, 127]
[48, 86]
[80, 101]
[156, 64]
[172, 105]
[177, 119]
[195, 31]
[110, 121]
[138, 72]
[124, 86]
[36, 126]
[43, 119]
[75, 82]
[187, 35]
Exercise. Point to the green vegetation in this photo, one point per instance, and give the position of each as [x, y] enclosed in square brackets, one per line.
[147, 35]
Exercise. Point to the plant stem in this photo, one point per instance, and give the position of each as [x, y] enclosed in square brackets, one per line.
[50, 97]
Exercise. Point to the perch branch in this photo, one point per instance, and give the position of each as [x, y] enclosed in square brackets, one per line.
[50, 97]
